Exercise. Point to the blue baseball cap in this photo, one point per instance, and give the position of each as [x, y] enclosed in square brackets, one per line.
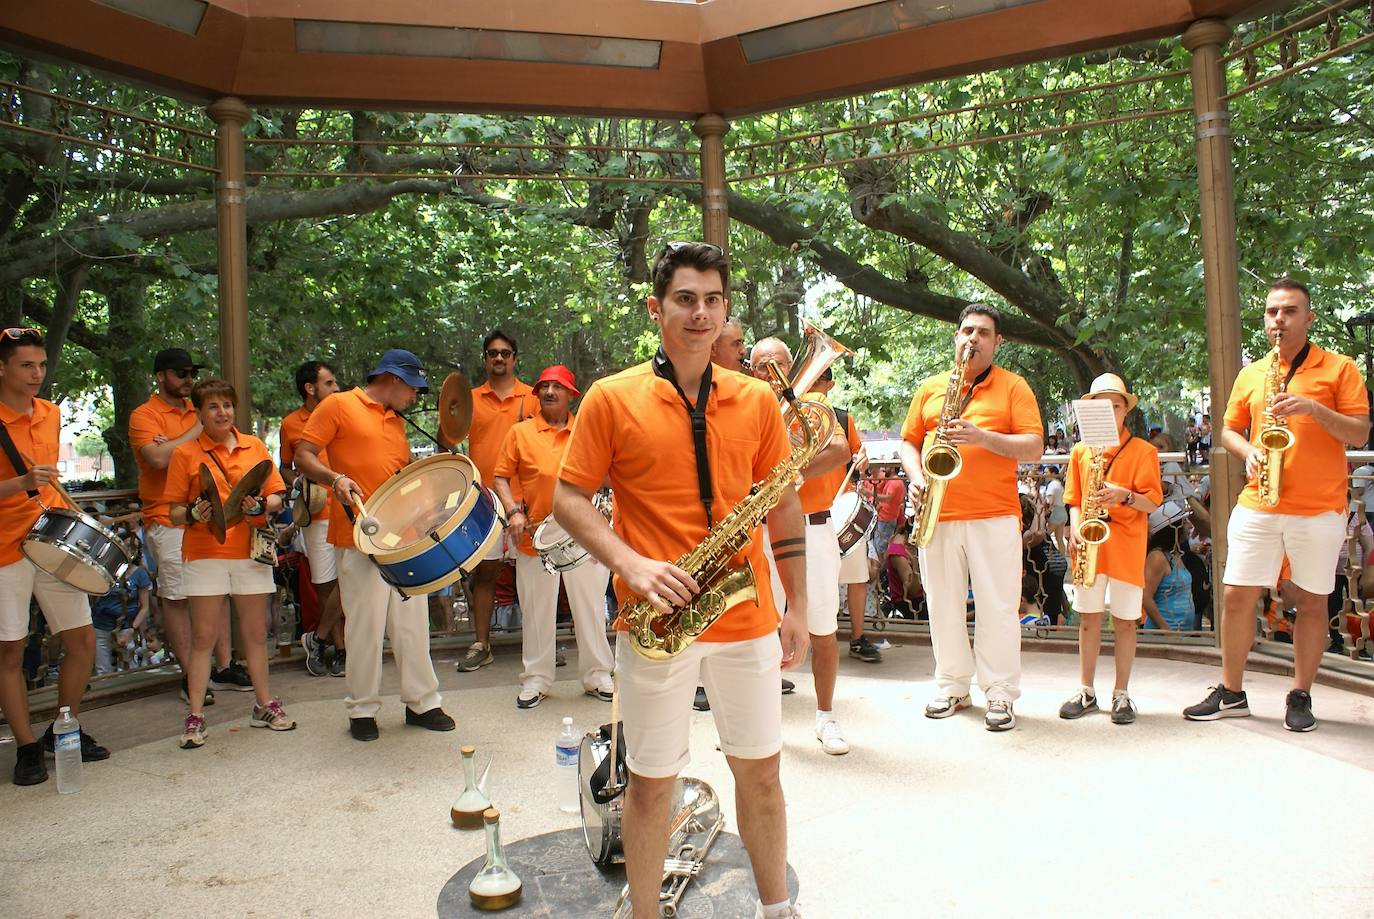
[403, 365]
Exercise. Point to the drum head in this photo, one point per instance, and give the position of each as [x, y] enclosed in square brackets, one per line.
[842, 511]
[548, 534]
[417, 500]
[68, 567]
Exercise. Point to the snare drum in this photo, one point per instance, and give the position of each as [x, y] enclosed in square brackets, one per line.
[77, 550]
[558, 551]
[853, 519]
[435, 522]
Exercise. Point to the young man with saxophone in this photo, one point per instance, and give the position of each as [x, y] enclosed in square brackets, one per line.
[995, 425]
[682, 447]
[1128, 491]
[1319, 397]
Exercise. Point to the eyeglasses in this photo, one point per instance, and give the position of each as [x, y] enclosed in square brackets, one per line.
[494, 353]
[186, 374]
[22, 333]
[678, 245]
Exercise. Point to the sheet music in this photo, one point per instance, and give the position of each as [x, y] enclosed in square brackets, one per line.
[1096, 423]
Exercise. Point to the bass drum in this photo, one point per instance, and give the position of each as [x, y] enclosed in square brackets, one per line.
[600, 822]
[854, 520]
[77, 550]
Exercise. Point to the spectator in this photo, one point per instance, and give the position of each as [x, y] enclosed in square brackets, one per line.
[1052, 495]
[1168, 599]
[903, 578]
[1204, 438]
[1357, 529]
[1193, 441]
[124, 607]
[1042, 568]
[889, 500]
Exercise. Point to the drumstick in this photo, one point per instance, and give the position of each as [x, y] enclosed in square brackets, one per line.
[57, 484]
[845, 484]
[366, 521]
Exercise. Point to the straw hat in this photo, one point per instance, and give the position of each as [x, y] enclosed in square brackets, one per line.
[1109, 384]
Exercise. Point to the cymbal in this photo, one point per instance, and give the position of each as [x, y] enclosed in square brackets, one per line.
[455, 408]
[210, 491]
[248, 485]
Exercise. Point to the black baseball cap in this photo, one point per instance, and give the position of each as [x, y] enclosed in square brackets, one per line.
[174, 359]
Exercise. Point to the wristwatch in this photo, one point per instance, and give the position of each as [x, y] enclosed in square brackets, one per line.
[1129, 499]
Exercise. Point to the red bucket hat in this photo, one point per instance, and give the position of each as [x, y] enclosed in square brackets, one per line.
[560, 375]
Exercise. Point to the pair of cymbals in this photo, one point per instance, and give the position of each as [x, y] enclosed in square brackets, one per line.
[224, 515]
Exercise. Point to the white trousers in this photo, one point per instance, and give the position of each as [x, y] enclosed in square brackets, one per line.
[372, 608]
[538, 591]
[989, 553]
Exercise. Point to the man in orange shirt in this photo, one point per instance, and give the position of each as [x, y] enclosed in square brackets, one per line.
[32, 429]
[366, 439]
[497, 405]
[728, 351]
[978, 536]
[531, 455]
[1131, 490]
[647, 428]
[1322, 402]
[324, 647]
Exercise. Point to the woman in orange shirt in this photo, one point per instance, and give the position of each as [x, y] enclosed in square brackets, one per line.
[213, 571]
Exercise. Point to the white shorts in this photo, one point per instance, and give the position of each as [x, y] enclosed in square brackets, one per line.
[223, 577]
[63, 605]
[854, 566]
[822, 578]
[741, 678]
[323, 565]
[1126, 598]
[1257, 541]
[164, 545]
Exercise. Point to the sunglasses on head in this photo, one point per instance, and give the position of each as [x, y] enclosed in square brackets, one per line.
[500, 352]
[678, 245]
[20, 334]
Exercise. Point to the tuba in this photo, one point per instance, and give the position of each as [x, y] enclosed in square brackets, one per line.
[1275, 436]
[941, 461]
[1093, 528]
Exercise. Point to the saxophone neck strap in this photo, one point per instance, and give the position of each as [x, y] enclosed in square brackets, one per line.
[1297, 362]
[968, 396]
[1119, 450]
[696, 414]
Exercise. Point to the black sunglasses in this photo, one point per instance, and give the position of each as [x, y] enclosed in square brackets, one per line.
[678, 245]
[188, 373]
[500, 352]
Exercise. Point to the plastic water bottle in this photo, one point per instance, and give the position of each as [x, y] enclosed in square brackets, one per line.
[566, 752]
[67, 745]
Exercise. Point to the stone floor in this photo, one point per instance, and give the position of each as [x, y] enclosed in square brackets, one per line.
[924, 818]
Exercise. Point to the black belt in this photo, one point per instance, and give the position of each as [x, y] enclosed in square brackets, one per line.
[818, 517]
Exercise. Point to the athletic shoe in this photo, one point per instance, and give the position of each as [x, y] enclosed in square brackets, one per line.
[1220, 703]
[788, 687]
[338, 662]
[701, 703]
[91, 752]
[1299, 715]
[1000, 716]
[193, 735]
[945, 706]
[1123, 709]
[831, 738]
[436, 719]
[792, 912]
[476, 656]
[363, 728]
[271, 716]
[185, 694]
[862, 649]
[600, 692]
[1084, 702]
[529, 698]
[231, 679]
[29, 768]
[314, 655]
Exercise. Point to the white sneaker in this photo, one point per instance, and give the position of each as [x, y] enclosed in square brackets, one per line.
[832, 738]
[792, 912]
[1000, 716]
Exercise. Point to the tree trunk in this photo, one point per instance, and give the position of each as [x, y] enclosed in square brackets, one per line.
[128, 375]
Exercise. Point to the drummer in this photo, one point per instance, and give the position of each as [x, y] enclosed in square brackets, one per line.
[31, 428]
[532, 453]
[213, 573]
[366, 440]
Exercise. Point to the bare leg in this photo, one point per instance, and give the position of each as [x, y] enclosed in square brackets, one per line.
[1125, 650]
[206, 615]
[645, 826]
[14, 695]
[1309, 639]
[825, 665]
[330, 627]
[76, 669]
[252, 609]
[1238, 632]
[483, 588]
[1089, 646]
[856, 598]
[761, 814]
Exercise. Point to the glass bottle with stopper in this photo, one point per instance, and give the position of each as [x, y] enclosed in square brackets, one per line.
[466, 812]
[495, 886]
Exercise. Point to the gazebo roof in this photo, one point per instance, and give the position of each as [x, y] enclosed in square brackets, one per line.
[674, 58]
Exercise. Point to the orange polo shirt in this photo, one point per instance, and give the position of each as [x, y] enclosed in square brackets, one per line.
[531, 455]
[818, 493]
[1314, 468]
[633, 427]
[37, 435]
[1135, 466]
[184, 487]
[291, 427]
[150, 419]
[986, 486]
[369, 445]
[492, 417]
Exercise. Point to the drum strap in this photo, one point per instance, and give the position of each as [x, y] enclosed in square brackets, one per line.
[12, 452]
[697, 414]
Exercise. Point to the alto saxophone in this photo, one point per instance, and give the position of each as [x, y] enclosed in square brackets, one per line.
[1275, 436]
[941, 461]
[1093, 528]
[721, 587]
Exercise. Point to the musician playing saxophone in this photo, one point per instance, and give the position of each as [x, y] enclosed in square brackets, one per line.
[638, 428]
[1131, 490]
[978, 536]
[1321, 399]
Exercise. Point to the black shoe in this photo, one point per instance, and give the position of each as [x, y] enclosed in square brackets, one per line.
[788, 687]
[186, 696]
[232, 678]
[29, 768]
[433, 720]
[1220, 703]
[91, 752]
[1082, 703]
[338, 662]
[862, 649]
[315, 664]
[363, 728]
[1299, 715]
[701, 703]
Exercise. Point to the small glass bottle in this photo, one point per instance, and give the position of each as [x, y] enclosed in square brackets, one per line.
[466, 812]
[495, 886]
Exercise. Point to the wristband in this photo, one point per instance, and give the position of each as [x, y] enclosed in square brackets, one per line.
[337, 477]
[257, 510]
